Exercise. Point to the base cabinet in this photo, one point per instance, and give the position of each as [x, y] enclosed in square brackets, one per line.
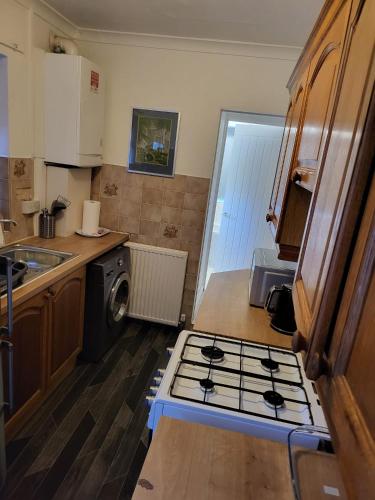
[29, 341]
[47, 337]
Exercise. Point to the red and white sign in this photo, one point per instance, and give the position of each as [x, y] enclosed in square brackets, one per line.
[94, 80]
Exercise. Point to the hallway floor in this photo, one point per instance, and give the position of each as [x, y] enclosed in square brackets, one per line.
[89, 439]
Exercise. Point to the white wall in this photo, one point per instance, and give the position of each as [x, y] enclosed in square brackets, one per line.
[196, 78]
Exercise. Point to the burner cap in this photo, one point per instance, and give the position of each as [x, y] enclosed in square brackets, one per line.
[273, 399]
[212, 353]
[270, 365]
[207, 385]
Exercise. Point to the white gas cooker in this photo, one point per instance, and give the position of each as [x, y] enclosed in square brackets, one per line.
[228, 383]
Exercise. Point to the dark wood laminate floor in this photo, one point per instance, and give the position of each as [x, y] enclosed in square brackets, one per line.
[89, 439]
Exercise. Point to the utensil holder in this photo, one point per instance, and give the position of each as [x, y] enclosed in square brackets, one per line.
[47, 226]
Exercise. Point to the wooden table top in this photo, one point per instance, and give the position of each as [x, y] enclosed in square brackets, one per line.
[189, 461]
[85, 250]
[225, 310]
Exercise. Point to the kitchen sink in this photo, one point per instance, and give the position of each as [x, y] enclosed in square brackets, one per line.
[38, 260]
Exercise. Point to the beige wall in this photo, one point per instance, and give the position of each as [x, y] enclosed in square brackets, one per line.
[197, 79]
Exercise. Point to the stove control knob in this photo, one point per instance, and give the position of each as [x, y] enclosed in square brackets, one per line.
[154, 389]
[170, 350]
[157, 380]
[149, 401]
[161, 371]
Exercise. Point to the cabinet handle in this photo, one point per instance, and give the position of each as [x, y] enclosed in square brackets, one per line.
[269, 217]
[296, 177]
[299, 342]
[317, 366]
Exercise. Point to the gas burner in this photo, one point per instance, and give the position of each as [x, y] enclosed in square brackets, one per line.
[273, 399]
[212, 354]
[207, 385]
[269, 365]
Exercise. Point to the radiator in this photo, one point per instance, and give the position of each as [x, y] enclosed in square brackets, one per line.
[157, 283]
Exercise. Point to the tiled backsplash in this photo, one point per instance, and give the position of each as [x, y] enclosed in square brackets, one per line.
[167, 212]
[16, 185]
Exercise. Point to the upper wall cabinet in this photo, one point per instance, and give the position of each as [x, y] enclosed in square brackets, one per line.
[319, 100]
[13, 25]
[313, 89]
[341, 184]
[287, 224]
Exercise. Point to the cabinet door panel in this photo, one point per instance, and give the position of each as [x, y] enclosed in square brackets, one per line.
[67, 309]
[319, 100]
[340, 185]
[288, 153]
[13, 25]
[29, 340]
[348, 394]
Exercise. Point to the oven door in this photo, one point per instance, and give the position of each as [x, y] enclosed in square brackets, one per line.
[118, 302]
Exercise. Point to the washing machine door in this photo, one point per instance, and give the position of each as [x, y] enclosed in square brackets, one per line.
[118, 302]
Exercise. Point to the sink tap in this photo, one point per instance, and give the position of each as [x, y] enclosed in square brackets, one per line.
[5, 221]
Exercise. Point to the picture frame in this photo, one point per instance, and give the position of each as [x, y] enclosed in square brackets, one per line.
[153, 142]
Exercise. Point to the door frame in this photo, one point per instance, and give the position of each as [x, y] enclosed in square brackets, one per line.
[225, 117]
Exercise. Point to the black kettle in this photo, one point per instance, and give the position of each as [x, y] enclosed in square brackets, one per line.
[279, 305]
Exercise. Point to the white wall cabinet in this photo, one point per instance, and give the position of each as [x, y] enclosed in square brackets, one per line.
[13, 25]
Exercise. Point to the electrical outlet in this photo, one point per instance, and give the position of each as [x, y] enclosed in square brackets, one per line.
[183, 318]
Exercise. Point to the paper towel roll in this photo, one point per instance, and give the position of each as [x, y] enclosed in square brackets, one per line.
[90, 219]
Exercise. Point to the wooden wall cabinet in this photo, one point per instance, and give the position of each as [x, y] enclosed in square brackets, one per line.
[287, 223]
[13, 25]
[312, 86]
[334, 290]
[48, 333]
[348, 393]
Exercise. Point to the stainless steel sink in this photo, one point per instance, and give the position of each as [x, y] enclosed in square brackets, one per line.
[38, 260]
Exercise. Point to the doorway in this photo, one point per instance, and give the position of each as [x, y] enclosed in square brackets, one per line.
[245, 165]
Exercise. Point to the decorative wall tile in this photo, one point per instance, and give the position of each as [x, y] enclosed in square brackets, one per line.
[21, 168]
[170, 231]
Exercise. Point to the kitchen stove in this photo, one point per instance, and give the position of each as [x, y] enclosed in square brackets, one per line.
[236, 385]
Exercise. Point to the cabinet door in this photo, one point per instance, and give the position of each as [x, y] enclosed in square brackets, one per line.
[287, 225]
[13, 25]
[29, 340]
[340, 189]
[66, 325]
[348, 393]
[319, 99]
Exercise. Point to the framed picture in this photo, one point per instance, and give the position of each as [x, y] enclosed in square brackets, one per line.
[153, 142]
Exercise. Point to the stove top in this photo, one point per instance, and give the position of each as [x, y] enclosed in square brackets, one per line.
[238, 385]
[249, 378]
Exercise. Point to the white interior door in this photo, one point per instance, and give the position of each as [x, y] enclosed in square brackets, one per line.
[246, 160]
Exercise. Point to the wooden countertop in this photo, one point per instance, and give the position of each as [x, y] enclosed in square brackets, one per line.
[195, 462]
[85, 250]
[225, 311]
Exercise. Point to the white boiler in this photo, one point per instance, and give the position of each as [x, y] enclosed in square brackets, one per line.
[74, 111]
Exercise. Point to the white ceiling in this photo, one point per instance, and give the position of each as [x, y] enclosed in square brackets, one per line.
[281, 22]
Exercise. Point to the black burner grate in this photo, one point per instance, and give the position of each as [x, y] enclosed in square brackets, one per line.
[272, 399]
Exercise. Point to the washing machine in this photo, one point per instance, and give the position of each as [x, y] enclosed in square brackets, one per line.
[106, 302]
